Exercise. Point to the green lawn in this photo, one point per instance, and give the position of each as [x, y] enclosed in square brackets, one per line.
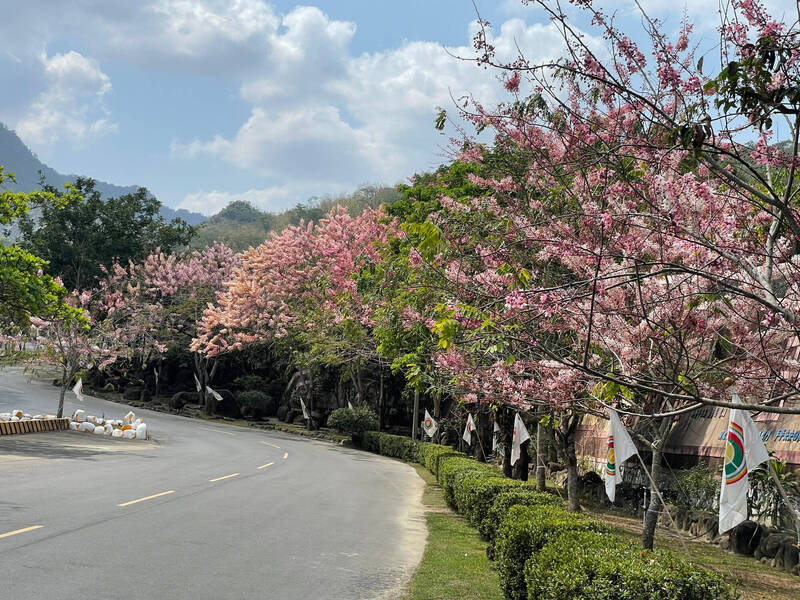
[454, 566]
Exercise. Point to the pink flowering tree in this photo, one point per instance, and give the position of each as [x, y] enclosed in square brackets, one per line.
[70, 344]
[155, 306]
[298, 294]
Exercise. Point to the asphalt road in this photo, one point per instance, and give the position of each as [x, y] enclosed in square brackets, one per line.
[203, 511]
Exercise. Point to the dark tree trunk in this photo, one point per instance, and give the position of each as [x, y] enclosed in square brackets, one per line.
[380, 403]
[566, 439]
[521, 468]
[540, 483]
[654, 507]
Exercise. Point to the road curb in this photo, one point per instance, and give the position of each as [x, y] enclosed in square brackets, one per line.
[33, 426]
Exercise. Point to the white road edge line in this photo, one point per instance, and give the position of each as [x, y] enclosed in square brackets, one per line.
[270, 444]
[266, 465]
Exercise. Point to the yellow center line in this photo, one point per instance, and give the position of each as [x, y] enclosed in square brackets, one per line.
[266, 465]
[223, 477]
[273, 445]
[10, 533]
[147, 498]
[285, 455]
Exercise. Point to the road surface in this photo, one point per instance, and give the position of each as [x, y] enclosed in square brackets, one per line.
[203, 511]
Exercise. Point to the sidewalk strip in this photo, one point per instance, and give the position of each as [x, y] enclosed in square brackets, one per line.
[223, 477]
[147, 498]
[266, 465]
[10, 533]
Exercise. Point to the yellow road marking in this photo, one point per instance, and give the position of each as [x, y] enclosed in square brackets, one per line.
[285, 455]
[217, 431]
[223, 477]
[273, 445]
[10, 533]
[147, 498]
[266, 465]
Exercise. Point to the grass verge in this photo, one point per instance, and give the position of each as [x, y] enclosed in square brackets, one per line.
[454, 566]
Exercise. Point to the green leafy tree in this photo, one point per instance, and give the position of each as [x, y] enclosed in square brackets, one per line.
[24, 290]
[78, 238]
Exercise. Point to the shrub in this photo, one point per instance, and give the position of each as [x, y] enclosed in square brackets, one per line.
[370, 441]
[282, 410]
[476, 495]
[398, 446]
[429, 455]
[581, 565]
[354, 421]
[255, 404]
[452, 471]
[250, 382]
[523, 532]
[505, 499]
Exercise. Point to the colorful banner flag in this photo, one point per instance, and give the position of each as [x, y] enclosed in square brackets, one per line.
[520, 436]
[620, 449]
[78, 389]
[744, 451]
[470, 427]
[429, 425]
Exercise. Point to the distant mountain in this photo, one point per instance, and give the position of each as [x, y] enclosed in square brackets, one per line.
[18, 159]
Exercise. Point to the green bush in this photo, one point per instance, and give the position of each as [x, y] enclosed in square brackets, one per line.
[354, 421]
[429, 455]
[255, 404]
[250, 382]
[475, 497]
[370, 441]
[454, 469]
[581, 565]
[398, 446]
[523, 532]
[519, 496]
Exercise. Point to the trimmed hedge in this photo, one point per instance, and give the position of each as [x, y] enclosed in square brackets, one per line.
[355, 421]
[542, 551]
[582, 565]
[523, 533]
[522, 496]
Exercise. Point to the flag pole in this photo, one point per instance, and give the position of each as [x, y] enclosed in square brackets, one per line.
[785, 497]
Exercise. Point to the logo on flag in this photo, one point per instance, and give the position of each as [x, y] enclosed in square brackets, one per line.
[78, 389]
[735, 463]
[429, 425]
[611, 465]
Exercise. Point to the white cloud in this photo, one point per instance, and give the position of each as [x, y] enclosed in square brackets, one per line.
[321, 114]
[71, 107]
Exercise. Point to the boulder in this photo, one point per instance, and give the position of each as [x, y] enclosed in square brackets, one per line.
[787, 557]
[771, 542]
[180, 399]
[746, 537]
[281, 412]
[227, 407]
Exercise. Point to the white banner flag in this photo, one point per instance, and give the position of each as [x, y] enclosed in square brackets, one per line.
[620, 449]
[744, 450]
[303, 406]
[197, 384]
[349, 405]
[521, 435]
[78, 389]
[429, 425]
[495, 436]
[216, 395]
[470, 427]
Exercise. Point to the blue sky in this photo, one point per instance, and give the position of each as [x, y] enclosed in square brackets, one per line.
[208, 101]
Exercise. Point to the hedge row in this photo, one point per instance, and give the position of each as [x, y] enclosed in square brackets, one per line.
[542, 551]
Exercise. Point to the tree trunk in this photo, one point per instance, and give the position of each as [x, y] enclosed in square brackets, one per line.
[60, 412]
[415, 415]
[573, 505]
[654, 507]
[540, 483]
[521, 468]
[380, 404]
